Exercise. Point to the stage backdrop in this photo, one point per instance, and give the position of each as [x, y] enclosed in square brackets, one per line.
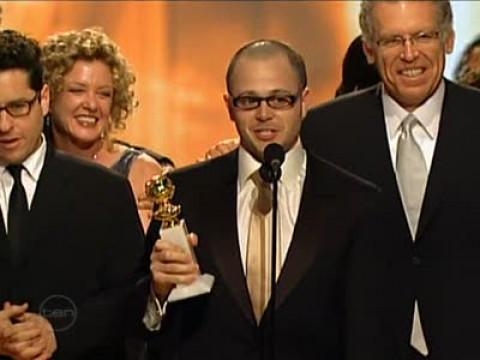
[180, 50]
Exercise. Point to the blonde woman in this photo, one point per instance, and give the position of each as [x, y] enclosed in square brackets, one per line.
[92, 97]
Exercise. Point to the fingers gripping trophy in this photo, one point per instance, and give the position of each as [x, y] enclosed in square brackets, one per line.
[160, 190]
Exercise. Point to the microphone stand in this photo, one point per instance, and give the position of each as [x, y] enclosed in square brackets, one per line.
[273, 175]
[273, 279]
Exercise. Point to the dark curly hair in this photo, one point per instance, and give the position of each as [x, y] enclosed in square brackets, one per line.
[18, 51]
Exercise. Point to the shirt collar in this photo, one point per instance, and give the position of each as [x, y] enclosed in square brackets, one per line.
[428, 114]
[34, 163]
[292, 167]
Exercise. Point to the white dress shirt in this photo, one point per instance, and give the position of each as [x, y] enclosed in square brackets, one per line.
[290, 188]
[32, 168]
[428, 114]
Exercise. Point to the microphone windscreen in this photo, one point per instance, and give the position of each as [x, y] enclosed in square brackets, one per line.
[274, 152]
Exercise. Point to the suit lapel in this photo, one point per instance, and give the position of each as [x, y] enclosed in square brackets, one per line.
[450, 135]
[305, 242]
[224, 237]
[4, 248]
[48, 195]
[376, 162]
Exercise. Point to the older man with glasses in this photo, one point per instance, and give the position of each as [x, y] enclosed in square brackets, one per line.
[413, 284]
[228, 205]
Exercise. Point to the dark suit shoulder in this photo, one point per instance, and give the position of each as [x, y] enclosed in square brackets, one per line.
[327, 124]
[349, 101]
[81, 169]
[462, 93]
[332, 176]
[342, 129]
[208, 173]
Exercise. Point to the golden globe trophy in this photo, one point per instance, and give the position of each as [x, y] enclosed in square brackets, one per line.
[160, 190]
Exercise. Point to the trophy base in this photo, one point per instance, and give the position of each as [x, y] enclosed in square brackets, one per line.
[203, 285]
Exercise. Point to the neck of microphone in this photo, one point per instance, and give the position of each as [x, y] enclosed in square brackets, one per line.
[273, 157]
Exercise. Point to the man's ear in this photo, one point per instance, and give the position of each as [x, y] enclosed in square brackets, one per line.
[450, 42]
[304, 98]
[226, 100]
[369, 53]
[45, 99]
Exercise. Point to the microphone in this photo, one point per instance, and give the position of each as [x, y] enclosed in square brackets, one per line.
[273, 157]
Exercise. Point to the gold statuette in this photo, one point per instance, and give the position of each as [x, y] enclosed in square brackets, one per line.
[160, 190]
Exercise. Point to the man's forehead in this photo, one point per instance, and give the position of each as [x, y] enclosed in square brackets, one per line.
[15, 77]
[14, 85]
[261, 59]
[397, 14]
[274, 72]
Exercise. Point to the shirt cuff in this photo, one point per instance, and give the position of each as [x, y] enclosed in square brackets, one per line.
[154, 312]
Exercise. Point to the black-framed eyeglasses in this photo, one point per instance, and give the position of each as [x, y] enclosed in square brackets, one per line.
[275, 101]
[418, 39]
[19, 108]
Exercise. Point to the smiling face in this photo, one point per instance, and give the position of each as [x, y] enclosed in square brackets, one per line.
[20, 136]
[264, 77]
[410, 72]
[81, 111]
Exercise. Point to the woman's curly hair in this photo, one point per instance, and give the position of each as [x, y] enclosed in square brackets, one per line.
[465, 73]
[62, 50]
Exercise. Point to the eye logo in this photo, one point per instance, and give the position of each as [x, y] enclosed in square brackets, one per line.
[60, 310]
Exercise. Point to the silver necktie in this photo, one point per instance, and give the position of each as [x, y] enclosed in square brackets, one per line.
[411, 172]
[412, 178]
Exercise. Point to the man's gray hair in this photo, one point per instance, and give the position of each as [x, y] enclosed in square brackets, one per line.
[444, 9]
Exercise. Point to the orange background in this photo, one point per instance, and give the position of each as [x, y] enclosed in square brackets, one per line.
[180, 51]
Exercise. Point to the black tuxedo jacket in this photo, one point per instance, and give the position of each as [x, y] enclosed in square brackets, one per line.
[79, 256]
[310, 296]
[442, 268]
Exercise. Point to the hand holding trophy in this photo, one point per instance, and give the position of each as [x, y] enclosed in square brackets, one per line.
[160, 190]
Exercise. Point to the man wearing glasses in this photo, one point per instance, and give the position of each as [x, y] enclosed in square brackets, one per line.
[70, 237]
[414, 282]
[223, 202]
